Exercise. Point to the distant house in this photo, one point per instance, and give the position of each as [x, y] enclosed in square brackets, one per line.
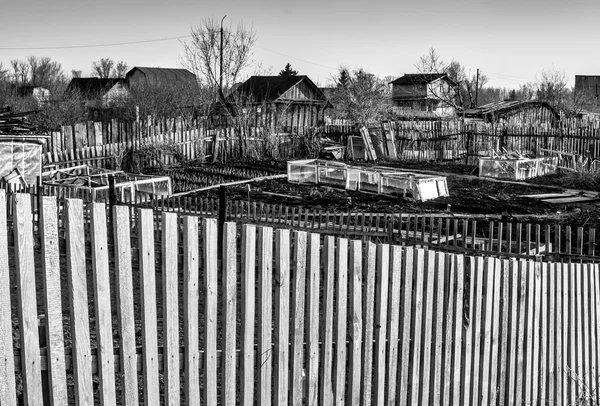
[587, 89]
[287, 102]
[423, 94]
[515, 112]
[40, 94]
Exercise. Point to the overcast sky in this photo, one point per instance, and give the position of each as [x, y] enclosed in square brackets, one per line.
[510, 41]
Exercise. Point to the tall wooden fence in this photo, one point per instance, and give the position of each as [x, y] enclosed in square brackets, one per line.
[281, 318]
[102, 143]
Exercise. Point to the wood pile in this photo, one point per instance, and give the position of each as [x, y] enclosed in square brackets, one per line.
[17, 123]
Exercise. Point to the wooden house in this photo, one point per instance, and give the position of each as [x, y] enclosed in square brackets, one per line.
[284, 103]
[530, 113]
[90, 90]
[587, 89]
[424, 94]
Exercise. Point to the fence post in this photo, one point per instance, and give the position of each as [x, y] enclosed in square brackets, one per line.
[222, 218]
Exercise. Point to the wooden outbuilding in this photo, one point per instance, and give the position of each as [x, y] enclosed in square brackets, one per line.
[284, 103]
[530, 113]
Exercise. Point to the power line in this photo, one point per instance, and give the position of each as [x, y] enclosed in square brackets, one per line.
[91, 45]
[292, 57]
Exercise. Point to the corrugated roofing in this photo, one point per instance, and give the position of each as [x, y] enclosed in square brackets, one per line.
[163, 74]
[505, 106]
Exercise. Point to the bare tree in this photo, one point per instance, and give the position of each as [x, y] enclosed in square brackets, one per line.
[463, 94]
[361, 96]
[202, 54]
[20, 71]
[103, 68]
[46, 73]
[75, 73]
[121, 69]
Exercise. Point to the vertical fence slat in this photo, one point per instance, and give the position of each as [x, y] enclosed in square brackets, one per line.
[101, 279]
[190, 311]
[339, 382]
[512, 278]
[382, 279]
[496, 314]
[458, 320]
[265, 274]
[428, 298]
[393, 321]
[406, 271]
[438, 333]
[125, 309]
[312, 362]
[487, 329]
[328, 261]
[468, 323]
[8, 395]
[530, 332]
[282, 317]
[417, 334]
[572, 343]
[210, 243]
[148, 306]
[248, 313]
[564, 351]
[477, 277]
[552, 347]
[170, 287]
[356, 316]
[80, 329]
[229, 358]
[368, 323]
[57, 379]
[298, 316]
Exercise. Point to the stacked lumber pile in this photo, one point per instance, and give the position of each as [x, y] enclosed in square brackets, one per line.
[17, 123]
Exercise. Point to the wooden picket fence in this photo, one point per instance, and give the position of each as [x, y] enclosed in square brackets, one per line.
[264, 323]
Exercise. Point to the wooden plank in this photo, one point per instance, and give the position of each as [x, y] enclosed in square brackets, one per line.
[190, 312]
[78, 300]
[312, 362]
[504, 311]
[596, 326]
[563, 352]
[57, 379]
[298, 316]
[248, 313]
[339, 381]
[417, 334]
[567, 200]
[530, 366]
[467, 325]
[228, 367]
[8, 395]
[552, 316]
[572, 334]
[579, 317]
[356, 316]
[265, 289]
[428, 299]
[210, 241]
[102, 306]
[477, 278]
[586, 286]
[170, 287]
[449, 331]
[488, 329]
[369, 322]
[148, 306]
[496, 314]
[402, 267]
[328, 264]
[282, 317]
[26, 299]
[457, 339]
[513, 317]
[382, 279]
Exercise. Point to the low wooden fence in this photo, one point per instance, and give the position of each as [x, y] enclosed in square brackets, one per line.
[490, 235]
[284, 317]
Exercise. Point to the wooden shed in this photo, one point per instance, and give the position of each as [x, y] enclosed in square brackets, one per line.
[516, 112]
[285, 103]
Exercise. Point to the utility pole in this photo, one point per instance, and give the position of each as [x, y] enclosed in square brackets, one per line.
[221, 62]
[477, 89]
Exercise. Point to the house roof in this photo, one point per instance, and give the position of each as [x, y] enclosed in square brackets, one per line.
[271, 88]
[160, 74]
[91, 85]
[506, 106]
[419, 78]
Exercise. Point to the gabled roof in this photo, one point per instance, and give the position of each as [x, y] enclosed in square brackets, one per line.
[506, 106]
[271, 88]
[420, 78]
[88, 86]
[162, 74]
